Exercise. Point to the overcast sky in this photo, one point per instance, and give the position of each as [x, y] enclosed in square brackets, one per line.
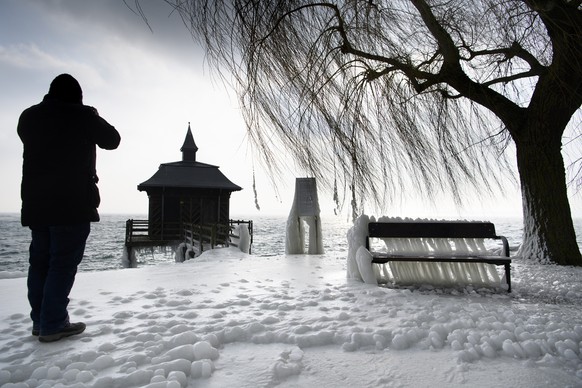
[149, 85]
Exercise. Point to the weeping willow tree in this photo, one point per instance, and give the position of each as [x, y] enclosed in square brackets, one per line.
[410, 96]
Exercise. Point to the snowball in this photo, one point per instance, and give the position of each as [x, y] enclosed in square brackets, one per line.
[296, 354]
[531, 349]
[107, 347]
[102, 362]
[363, 339]
[138, 359]
[104, 382]
[456, 345]
[201, 368]
[270, 320]
[400, 342]
[179, 376]
[234, 334]
[266, 337]
[158, 379]
[256, 327]
[488, 350]
[468, 355]
[38, 374]
[570, 354]
[89, 356]
[71, 375]
[138, 378]
[203, 350]
[343, 316]
[183, 338]
[84, 376]
[289, 363]
[302, 329]
[184, 351]
[54, 373]
[282, 370]
[212, 339]
[349, 347]
[380, 340]
[175, 365]
[436, 340]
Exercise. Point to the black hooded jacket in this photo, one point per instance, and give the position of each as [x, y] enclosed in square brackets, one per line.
[58, 172]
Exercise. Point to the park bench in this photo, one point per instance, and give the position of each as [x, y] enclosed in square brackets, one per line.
[404, 232]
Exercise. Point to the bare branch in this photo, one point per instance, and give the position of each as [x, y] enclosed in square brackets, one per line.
[138, 11]
[394, 96]
[515, 50]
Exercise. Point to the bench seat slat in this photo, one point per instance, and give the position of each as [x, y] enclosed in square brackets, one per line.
[381, 259]
[432, 229]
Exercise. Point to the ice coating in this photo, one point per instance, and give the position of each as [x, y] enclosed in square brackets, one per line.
[304, 218]
[228, 319]
[410, 273]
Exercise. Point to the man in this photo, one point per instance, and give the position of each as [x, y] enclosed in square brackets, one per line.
[59, 198]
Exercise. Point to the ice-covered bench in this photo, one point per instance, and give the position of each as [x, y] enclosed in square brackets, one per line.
[439, 251]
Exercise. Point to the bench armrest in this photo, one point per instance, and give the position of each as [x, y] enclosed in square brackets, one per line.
[505, 245]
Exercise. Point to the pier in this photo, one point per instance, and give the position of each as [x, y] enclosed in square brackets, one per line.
[189, 204]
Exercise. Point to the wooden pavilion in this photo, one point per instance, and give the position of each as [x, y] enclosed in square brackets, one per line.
[186, 196]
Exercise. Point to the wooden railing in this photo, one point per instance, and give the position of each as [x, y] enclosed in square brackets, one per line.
[135, 230]
[199, 237]
[202, 237]
[140, 232]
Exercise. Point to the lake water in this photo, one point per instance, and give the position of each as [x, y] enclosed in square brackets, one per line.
[105, 244]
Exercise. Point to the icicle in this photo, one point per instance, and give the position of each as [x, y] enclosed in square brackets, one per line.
[457, 270]
[445, 274]
[443, 246]
[244, 242]
[337, 207]
[481, 245]
[435, 272]
[255, 191]
[180, 253]
[354, 203]
[474, 272]
[460, 246]
[385, 274]
[431, 245]
[493, 275]
[129, 258]
[395, 271]
[472, 245]
[295, 236]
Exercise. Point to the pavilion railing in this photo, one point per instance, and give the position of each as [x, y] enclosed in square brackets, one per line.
[200, 237]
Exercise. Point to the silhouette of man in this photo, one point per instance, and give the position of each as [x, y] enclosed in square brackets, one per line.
[59, 198]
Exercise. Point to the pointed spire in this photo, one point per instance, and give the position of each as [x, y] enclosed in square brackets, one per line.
[189, 147]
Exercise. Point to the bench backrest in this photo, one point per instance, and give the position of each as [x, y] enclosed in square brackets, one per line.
[432, 229]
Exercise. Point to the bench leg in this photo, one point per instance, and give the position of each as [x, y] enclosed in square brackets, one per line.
[508, 276]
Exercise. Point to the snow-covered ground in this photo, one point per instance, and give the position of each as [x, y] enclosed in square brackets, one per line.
[228, 319]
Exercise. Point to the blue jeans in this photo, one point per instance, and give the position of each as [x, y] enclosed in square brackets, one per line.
[55, 253]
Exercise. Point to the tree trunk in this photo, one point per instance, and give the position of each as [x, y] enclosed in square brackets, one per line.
[548, 234]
